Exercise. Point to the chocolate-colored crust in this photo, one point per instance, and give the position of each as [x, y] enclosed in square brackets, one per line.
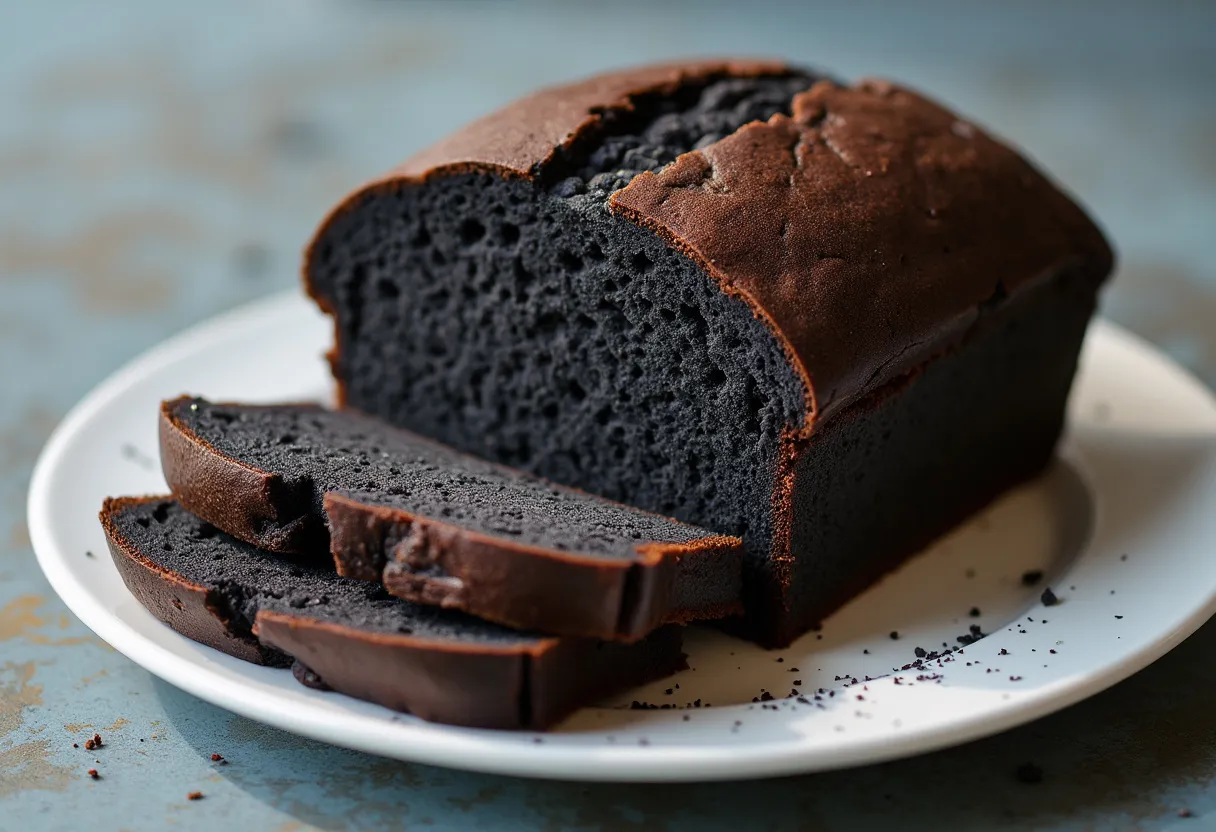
[493, 679]
[866, 230]
[887, 222]
[442, 563]
[477, 687]
[876, 235]
[436, 563]
[891, 473]
[187, 607]
[521, 138]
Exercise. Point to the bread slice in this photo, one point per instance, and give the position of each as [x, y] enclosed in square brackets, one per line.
[440, 665]
[440, 527]
[831, 319]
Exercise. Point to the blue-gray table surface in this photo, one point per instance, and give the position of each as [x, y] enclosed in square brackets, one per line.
[161, 162]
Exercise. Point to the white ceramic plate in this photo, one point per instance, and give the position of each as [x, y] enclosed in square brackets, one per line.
[1123, 528]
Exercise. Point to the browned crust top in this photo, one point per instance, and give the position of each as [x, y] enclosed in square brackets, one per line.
[869, 227]
[523, 136]
[865, 230]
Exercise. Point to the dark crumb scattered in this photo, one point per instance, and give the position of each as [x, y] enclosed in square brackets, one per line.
[1183, 813]
[93, 773]
[75, 745]
[538, 740]
[676, 686]
[89, 745]
[687, 717]
[797, 681]
[643, 741]
[1049, 598]
[819, 636]
[894, 635]
[920, 652]
[1003, 652]
[793, 670]
[89, 554]
[1029, 773]
[1052, 651]
[1015, 678]
[860, 698]
[669, 691]
[1112, 592]
[1118, 616]
[1032, 577]
[97, 743]
[218, 758]
[866, 651]
[780, 660]
[1122, 557]
[766, 697]
[975, 612]
[194, 796]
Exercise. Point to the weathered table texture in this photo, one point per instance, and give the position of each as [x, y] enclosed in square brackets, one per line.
[161, 162]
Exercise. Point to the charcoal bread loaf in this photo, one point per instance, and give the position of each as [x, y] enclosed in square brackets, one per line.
[830, 319]
[351, 636]
[441, 527]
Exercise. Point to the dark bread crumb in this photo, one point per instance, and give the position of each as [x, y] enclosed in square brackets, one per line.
[1032, 577]
[194, 796]
[93, 773]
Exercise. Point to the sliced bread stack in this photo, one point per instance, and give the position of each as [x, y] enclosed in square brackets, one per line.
[394, 569]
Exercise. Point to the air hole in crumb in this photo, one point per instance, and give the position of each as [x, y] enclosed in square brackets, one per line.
[508, 233]
[570, 261]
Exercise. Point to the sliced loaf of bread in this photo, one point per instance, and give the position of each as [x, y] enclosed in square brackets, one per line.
[441, 527]
[351, 636]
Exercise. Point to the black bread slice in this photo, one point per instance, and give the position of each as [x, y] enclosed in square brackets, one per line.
[441, 527]
[441, 665]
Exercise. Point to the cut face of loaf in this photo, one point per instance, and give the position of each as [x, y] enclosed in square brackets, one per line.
[441, 527]
[440, 665]
[830, 320]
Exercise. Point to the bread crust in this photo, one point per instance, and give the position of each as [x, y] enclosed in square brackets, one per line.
[532, 684]
[439, 563]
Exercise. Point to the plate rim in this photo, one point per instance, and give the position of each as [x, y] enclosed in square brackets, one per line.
[472, 750]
